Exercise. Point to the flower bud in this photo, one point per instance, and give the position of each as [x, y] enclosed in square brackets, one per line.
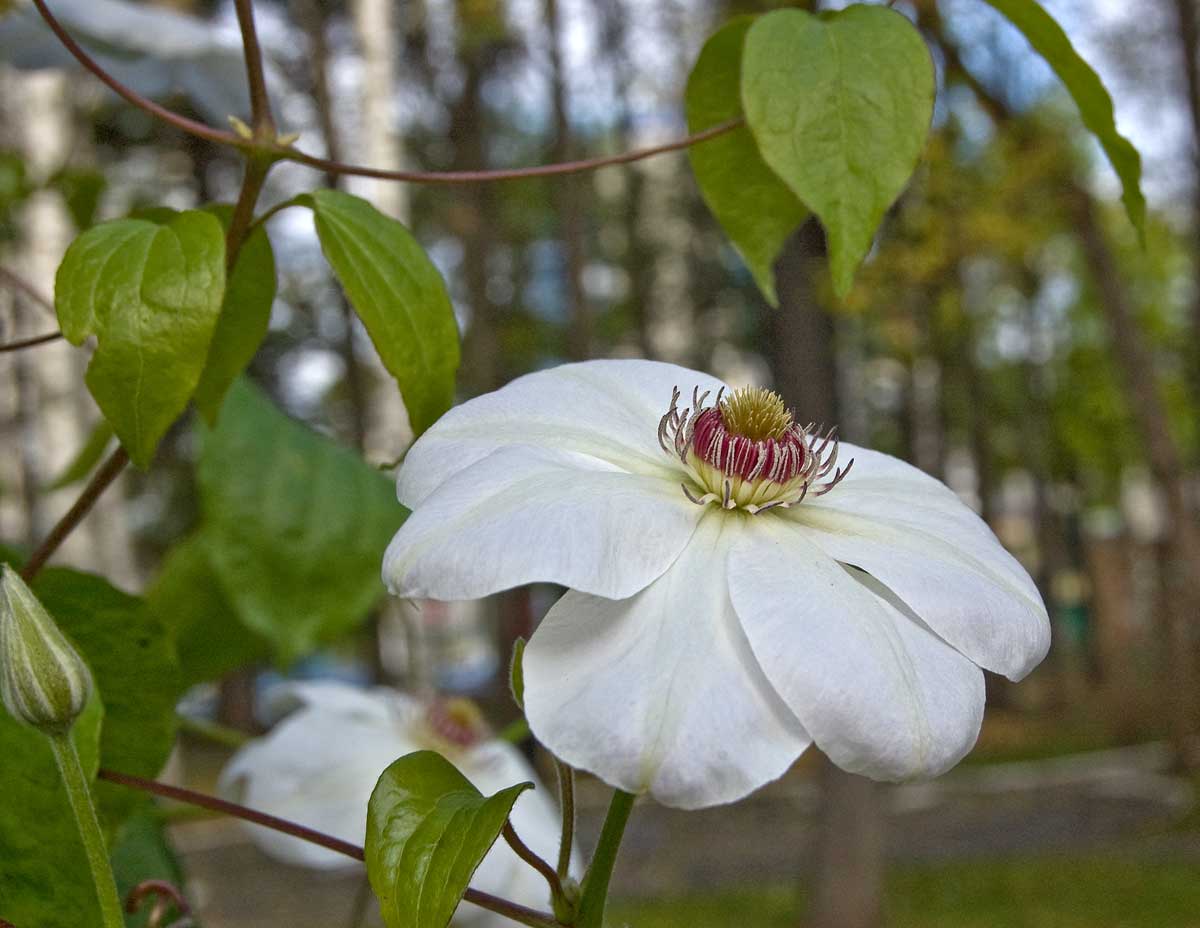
[43, 680]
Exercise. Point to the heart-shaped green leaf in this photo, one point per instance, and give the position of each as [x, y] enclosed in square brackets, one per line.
[840, 105]
[398, 294]
[294, 524]
[428, 829]
[151, 294]
[209, 634]
[757, 210]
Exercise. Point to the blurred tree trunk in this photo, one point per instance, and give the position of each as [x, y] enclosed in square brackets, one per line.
[313, 17]
[639, 252]
[1182, 567]
[568, 195]
[1188, 38]
[848, 887]
[474, 222]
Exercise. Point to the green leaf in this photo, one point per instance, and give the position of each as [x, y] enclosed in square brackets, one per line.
[757, 210]
[86, 458]
[398, 294]
[516, 673]
[428, 829]
[1087, 90]
[244, 317]
[45, 881]
[209, 636]
[151, 295]
[133, 662]
[142, 852]
[295, 524]
[840, 106]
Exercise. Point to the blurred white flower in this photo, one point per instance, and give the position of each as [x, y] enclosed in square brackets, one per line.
[734, 594]
[319, 765]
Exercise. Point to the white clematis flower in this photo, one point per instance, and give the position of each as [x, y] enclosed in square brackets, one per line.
[319, 765]
[734, 596]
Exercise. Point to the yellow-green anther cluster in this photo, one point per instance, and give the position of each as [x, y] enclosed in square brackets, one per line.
[43, 680]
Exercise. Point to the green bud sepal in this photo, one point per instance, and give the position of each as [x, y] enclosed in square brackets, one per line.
[43, 680]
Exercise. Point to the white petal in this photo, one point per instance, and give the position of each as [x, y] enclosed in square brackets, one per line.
[912, 533]
[880, 694]
[316, 767]
[380, 705]
[320, 765]
[607, 409]
[524, 514]
[660, 692]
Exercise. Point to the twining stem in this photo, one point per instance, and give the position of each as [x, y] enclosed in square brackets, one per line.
[566, 793]
[260, 104]
[30, 342]
[198, 129]
[599, 874]
[527, 854]
[241, 223]
[94, 846]
[107, 473]
[286, 152]
[541, 170]
[164, 894]
[518, 913]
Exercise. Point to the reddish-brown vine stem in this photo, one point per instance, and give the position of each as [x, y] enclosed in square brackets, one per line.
[527, 854]
[260, 104]
[288, 153]
[87, 499]
[30, 292]
[520, 913]
[541, 170]
[190, 126]
[30, 342]
[165, 895]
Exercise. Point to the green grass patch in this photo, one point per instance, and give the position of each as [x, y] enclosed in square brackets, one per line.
[1098, 891]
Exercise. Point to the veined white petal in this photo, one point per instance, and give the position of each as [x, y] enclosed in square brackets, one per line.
[660, 692]
[525, 514]
[880, 694]
[912, 533]
[607, 409]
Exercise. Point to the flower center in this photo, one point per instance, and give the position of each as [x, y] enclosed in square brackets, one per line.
[746, 451]
[452, 725]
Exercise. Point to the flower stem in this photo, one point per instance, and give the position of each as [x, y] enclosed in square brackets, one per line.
[566, 792]
[595, 884]
[522, 850]
[516, 912]
[94, 846]
[260, 103]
